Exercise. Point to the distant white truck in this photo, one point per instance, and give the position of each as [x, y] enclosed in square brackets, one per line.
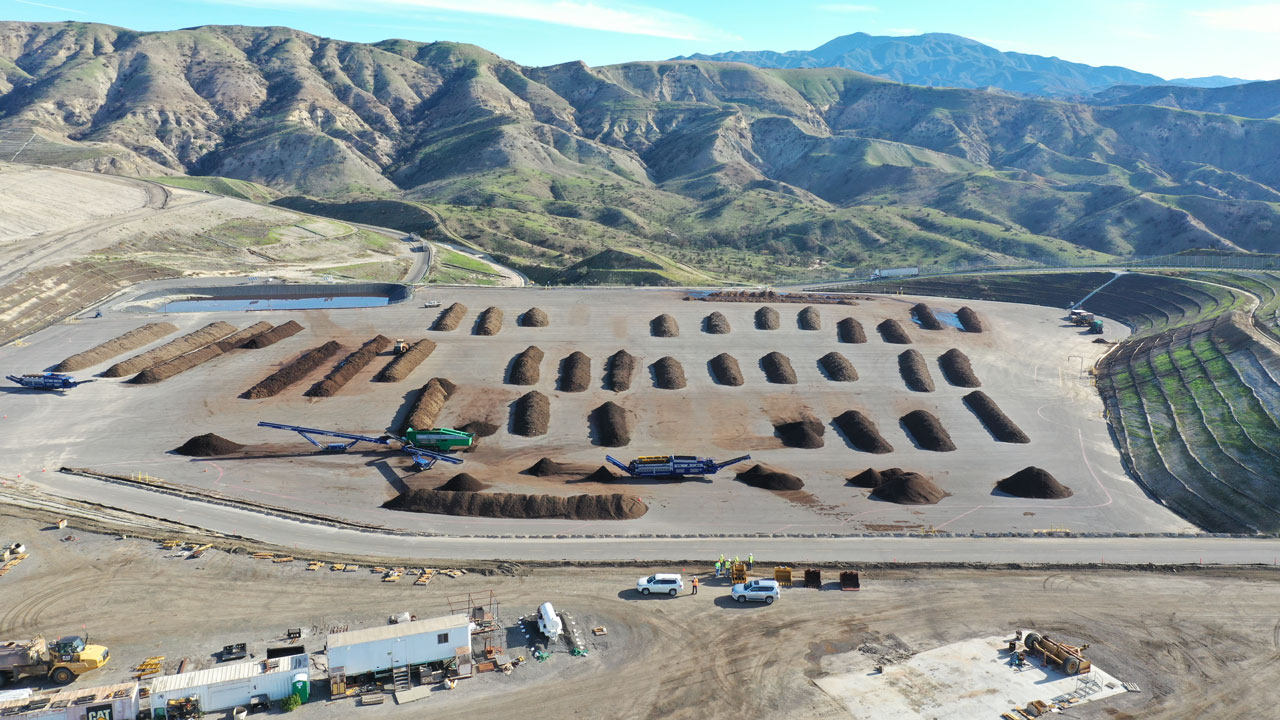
[882, 273]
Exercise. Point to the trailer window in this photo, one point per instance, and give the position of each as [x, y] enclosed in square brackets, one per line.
[442, 638]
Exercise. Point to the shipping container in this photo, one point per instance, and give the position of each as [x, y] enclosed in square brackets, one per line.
[382, 648]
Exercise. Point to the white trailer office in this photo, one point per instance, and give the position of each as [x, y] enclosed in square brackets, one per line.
[378, 649]
[232, 685]
[111, 702]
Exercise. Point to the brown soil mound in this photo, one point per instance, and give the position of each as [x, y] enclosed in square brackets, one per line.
[531, 414]
[767, 478]
[406, 362]
[891, 331]
[837, 367]
[926, 318]
[546, 467]
[869, 478]
[725, 370]
[236, 340]
[479, 428]
[777, 369]
[166, 370]
[1032, 482]
[489, 322]
[862, 433]
[295, 370]
[927, 431]
[450, 318]
[908, 488]
[664, 326]
[463, 482]
[273, 336]
[526, 367]
[120, 345]
[534, 317]
[767, 319]
[994, 419]
[668, 374]
[575, 372]
[806, 433]
[957, 370]
[208, 445]
[610, 424]
[210, 333]
[601, 474]
[849, 330]
[716, 324]
[914, 371]
[342, 373]
[809, 319]
[969, 319]
[510, 505]
[622, 367]
[426, 409]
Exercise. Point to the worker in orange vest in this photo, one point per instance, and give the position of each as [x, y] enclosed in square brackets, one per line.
[695, 584]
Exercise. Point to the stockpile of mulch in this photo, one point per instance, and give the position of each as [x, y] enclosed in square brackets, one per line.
[463, 482]
[915, 372]
[295, 370]
[273, 336]
[849, 330]
[622, 367]
[406, 362]
[777, 369]
[774, 297]
[127, 342]
[837, 367]
[767, 319]
[725, 370]
[668, 374]
[479, 428]
[716, 324]
[426, 409]
[546, 467]
[664, 326]
[575, 372]
[489, 322]
[891, 331]
[534, 317]
[926, 318]
[907, 488]
[236, 340]
[511, 505]
[601, 474]
[862, 433]
[956, 368]
[210, 333]
[969, 319]
[450, 318]
[994, 419]
[767, 478]
[928, 431]
[531, 414]
[805, 433]
[1032, 482]
[342, 373]
[166, 370]
[869, 478]
[809, 319]
[611, 425]
[208, 445]
[525, 369]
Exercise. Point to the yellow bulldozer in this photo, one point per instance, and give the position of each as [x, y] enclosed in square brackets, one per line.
[61, 661]
[1068, 657]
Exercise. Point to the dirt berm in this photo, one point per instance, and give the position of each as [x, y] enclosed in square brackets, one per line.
[891, 331]
[994, 419]
[957, 370]
[926, 318]
[298, 368]
[767, 478]
[725, 370]
[210, 333]
[237, 340]
[489, 322]
[664, 326]
[450, 318]
[531, 414]
[1032, 482]
[526, 367]
[805, 433]
[767, 319]
[622, 367]
[273, 336]
[809, 319]
[534, 317]
[969, 319]
[777, 369]
[907, 488]
[715, 324]
[668, 374]
[344, 371]
[119, 345]
[927, 431]
[510, 505]
[166, 370]
[914, 371]
[575, 372]
[406, 362]
[849, 330]
[610, 425]
[837, 367]
[862, 433]
[426, 409]
[463, 482]
[208, 445]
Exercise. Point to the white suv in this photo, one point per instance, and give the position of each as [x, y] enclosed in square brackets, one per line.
[765, 591]
[669, 583]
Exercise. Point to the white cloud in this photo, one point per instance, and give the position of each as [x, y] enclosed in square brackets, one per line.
[847, 8]
[1251, 18]
[51, 7]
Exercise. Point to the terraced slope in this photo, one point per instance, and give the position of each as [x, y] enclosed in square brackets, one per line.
[1265, 285]
[1060, 289]
[1154, 303]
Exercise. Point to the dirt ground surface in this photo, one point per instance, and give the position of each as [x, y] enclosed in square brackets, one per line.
[1198, 643]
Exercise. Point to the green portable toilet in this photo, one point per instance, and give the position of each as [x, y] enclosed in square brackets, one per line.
[302, 686]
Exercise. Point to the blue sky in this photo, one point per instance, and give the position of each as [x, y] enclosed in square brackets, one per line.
[1171, 38]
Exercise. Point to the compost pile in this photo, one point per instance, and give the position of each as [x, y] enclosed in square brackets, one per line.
[489, 322]
[511, 505]
[166, 370]
[969, 320]
[406, 362]
[774, 297]
[479, 428]
[534, 317]
[236, 340]
[668, 374]
[777, 369]
[610, 425]
[716, 324]
[463, 482]
[837, 367]
[767, 478]
[869, 478]
[601, 474]
[805, 433]
[809, 319]
[862, 433]
[891, 331]
[926, 318]
[994, 419]
[525, 367]
[343, 372]
[531, 414]
[300, 367]
[1032, 482]
[450, 318]
[927, 431]
[664, 326]
[575, 372]
[914, 371]
[849, 330]
[546, 467]
[956, 368]
[170, 350]
[127, 342]
[767, 319]
[907, 488]
[431, 399]
[273, 336]
[725, 370]
[208, 445]
[622, 366]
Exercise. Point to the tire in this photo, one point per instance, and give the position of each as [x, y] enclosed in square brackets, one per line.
[768, 599]
[644, 591]
[673, 592]
[1031, 641]
[742, 598]
[62, 676]
[1071, 666]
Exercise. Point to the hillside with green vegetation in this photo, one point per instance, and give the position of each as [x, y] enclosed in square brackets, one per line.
[239, 189]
